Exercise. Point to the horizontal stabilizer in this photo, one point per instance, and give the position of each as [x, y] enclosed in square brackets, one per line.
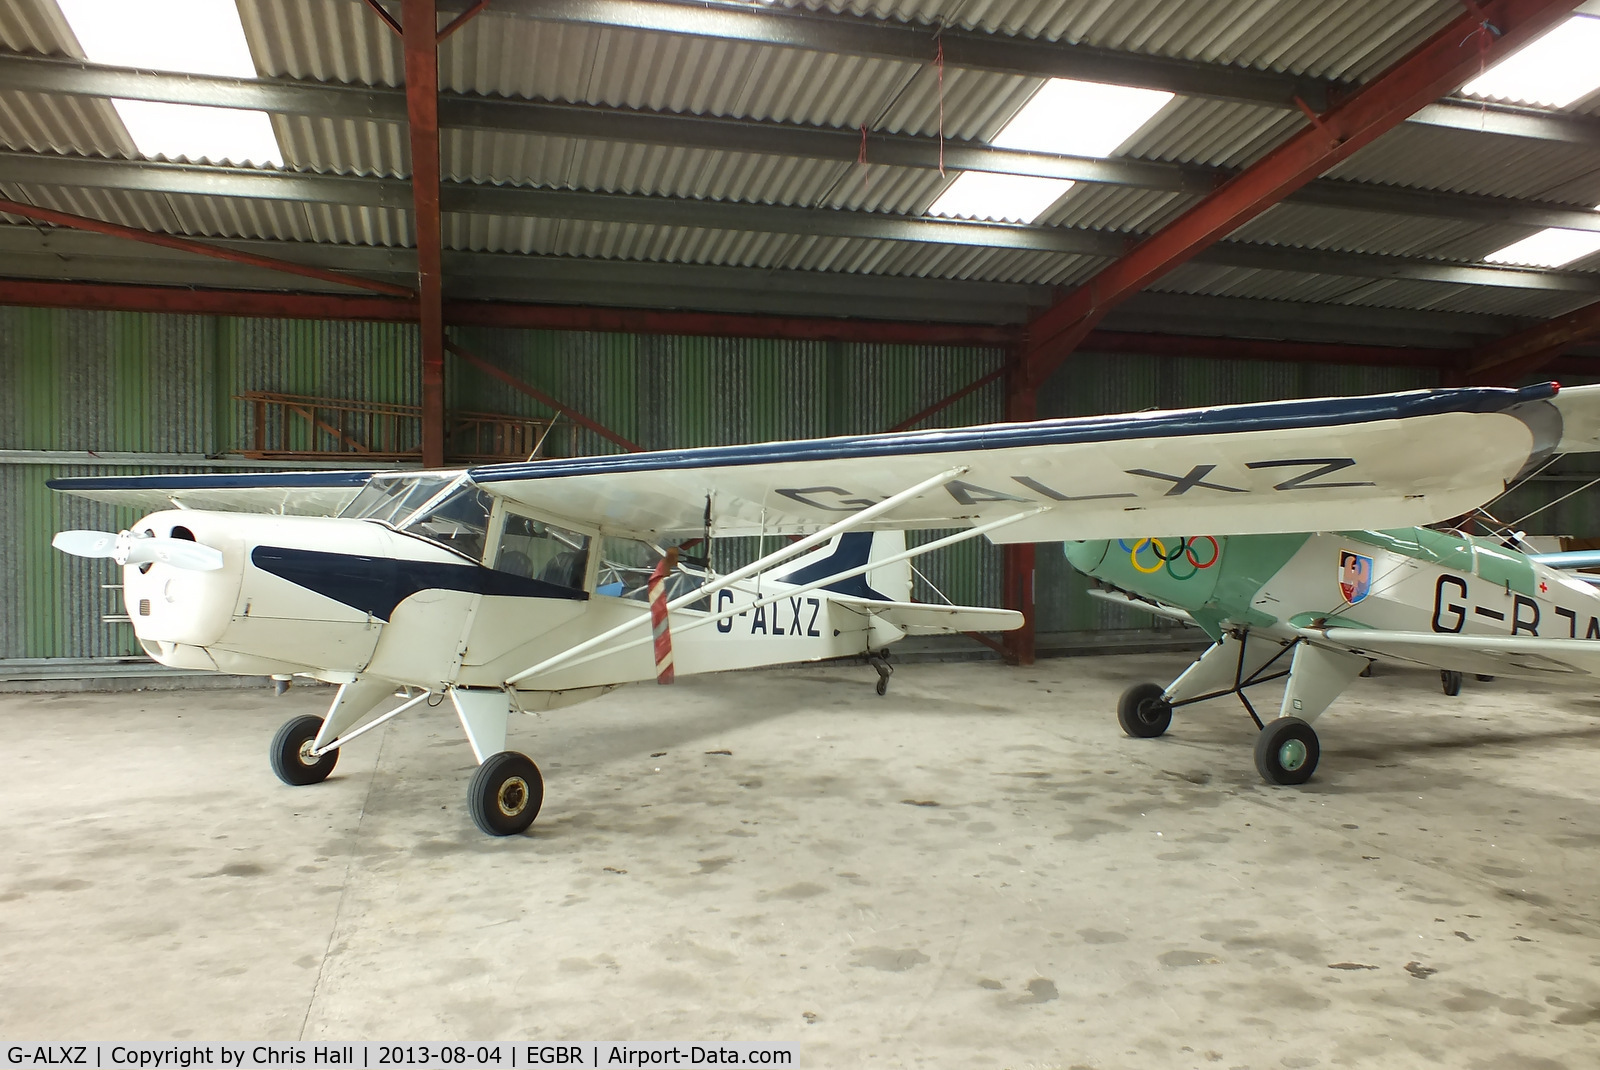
[921, 618]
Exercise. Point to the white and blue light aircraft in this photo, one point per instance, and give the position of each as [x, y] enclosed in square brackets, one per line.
[525, 587]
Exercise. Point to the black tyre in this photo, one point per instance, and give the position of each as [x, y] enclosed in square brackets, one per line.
[1143, 711]
[1483, 678]
[505, 794]
[1450, 681]
[290, 753]
[1287, 751]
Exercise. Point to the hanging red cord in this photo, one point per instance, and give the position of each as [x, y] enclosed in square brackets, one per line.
[866, 175]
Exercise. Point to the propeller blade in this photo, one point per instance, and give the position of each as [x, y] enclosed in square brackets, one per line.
[86, 543]
[179, 553]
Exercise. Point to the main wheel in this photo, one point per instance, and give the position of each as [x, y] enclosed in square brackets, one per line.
[290, 753]
[1450, 681]
[1287, 751]
[1143, 711]
[505, 794]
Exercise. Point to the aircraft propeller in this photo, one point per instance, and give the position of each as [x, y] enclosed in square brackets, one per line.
[129, 548]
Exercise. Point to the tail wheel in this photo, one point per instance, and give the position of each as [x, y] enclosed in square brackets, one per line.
[1143, 711]
[505, 794]
[1287, 751]
[290, 753]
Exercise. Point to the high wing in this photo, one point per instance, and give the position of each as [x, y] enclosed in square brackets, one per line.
[290, 493]
[1380, 461]
[1495, 655]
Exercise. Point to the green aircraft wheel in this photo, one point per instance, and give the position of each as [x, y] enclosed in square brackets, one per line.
[1287, 751]
[290, 753]
[505, 794]
[1450, 681]
[1143, 711]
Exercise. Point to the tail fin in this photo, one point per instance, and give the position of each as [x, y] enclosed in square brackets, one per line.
[890, 583]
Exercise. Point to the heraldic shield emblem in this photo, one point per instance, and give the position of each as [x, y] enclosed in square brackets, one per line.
[1355, 576]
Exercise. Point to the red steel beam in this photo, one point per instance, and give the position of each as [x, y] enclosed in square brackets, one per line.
[950, 399]
[544, 399]
[189, 245]
[1526, 352]
[460, 20]
[122, 297]
[1179, 345]
[419, 21]
[726, 325]
[1439, 65]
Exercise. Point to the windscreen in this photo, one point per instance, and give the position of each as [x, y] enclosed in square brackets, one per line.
[458, 521]
[391, 498]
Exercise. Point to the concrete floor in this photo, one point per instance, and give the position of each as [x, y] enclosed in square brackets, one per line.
[977, 871]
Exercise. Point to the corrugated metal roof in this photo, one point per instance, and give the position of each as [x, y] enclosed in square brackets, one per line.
[36, 27]
[1440, 158]
[1214, 132]
[503, 54]
[71, 126]
[1351, 39]
[1315, 227]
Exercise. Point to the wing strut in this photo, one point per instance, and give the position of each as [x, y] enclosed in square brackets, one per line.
[790, 592]
[777, 557]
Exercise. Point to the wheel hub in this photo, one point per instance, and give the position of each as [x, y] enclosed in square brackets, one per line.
[307, 752]
[1292, 755]
[512, 798]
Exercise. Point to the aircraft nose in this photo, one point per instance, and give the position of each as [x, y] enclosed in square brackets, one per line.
[1086, 556]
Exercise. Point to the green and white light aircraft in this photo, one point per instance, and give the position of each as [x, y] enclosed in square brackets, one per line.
[1317, 608]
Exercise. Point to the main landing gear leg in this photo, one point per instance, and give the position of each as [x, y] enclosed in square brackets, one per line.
[507, 789]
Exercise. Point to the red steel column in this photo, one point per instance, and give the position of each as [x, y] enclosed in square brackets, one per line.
[1487, 32]
[419, 21]
[1017, 559]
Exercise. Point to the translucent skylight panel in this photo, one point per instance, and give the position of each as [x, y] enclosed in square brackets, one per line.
[190, 36]
[190, 132]
[1010, 198]
[1080, 118]
[1550, 248]
[1554, 70]
[1065, 116]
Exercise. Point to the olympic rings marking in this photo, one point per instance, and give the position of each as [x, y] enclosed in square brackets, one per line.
[1184, 552]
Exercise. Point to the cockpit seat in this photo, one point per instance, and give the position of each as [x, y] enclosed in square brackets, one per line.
[565, 569]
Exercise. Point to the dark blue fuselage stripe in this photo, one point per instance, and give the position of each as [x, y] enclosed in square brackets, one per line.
[376, 585]
[853, 551]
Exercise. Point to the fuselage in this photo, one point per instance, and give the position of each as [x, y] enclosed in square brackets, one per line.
[1405, 579]
[340, 598]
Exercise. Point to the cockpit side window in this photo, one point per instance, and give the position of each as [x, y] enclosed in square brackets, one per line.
[536, 550]
[626, 566]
